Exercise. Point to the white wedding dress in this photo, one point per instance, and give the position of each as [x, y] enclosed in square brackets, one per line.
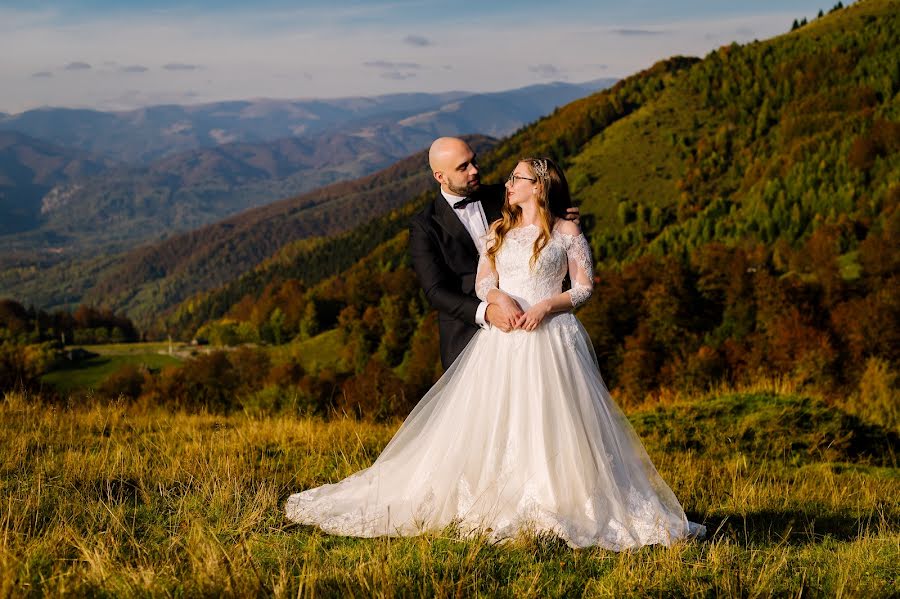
[519, 434]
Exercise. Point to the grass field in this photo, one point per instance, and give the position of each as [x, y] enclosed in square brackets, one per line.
[124, 349]
[90, 373]
[321, 351]
[108, 499]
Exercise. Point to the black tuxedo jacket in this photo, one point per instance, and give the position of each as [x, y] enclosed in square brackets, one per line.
[445, 259]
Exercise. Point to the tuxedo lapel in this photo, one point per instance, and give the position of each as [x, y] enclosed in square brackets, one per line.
[449, 221]
[492, 198]
[492, 209]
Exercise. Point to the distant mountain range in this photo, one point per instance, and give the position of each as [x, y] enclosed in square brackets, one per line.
[103, 207]
[146, 134]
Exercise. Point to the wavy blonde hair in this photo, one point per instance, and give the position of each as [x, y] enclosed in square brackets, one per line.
[553, 201]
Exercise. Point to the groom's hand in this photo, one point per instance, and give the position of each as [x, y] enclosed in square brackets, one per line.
[573, 214]
[503, 314]
[496, 317]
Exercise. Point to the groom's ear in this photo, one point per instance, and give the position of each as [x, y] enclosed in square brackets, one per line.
[438, 176]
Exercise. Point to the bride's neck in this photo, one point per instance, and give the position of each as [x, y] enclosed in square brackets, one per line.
[530, 215]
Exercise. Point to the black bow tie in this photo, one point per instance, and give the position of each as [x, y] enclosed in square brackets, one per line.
[463, 203]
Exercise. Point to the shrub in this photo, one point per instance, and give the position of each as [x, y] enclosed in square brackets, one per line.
[206, 382]
[273, 399]
[286, 374]
[251, 367]
[127, 382]
[375, 393]
[22, 365]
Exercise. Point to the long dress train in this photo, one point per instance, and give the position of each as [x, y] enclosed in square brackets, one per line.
[519, 434]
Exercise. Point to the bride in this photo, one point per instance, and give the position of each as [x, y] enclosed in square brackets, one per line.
[520, 433]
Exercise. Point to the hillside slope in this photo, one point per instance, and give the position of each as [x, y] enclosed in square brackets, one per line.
[122, 207]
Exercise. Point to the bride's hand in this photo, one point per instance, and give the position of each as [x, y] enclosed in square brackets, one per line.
[532, 317]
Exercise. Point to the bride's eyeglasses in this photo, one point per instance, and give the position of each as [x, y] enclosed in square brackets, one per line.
[514, 177]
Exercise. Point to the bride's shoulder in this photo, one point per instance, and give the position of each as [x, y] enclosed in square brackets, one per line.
[566, 227]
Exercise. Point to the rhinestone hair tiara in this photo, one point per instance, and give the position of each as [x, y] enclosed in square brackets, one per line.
[540, 167]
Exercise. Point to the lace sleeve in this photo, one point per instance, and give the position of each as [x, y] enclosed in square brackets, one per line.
[486, 279]
[581, 269]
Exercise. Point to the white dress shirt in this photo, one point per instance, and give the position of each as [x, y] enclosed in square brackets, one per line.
[475, 222]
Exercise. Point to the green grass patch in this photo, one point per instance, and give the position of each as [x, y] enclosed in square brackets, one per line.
[646, 175]
[90, 373]
[122, 349]
[314, 354]
[795, 428]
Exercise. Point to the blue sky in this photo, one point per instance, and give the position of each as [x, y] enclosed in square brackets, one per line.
[117, 55]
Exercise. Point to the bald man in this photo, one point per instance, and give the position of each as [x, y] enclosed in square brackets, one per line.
[444, 242]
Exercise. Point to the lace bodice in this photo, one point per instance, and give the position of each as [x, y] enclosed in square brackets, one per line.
[529, 284]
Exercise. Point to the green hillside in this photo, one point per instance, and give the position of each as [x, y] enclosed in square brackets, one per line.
[766, 141]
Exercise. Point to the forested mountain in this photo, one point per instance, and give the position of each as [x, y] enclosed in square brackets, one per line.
[742, 210]
[149, 279]
[29, 168]
[122, 207]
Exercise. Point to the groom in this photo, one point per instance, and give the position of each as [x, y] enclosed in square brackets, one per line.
[444, 241]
